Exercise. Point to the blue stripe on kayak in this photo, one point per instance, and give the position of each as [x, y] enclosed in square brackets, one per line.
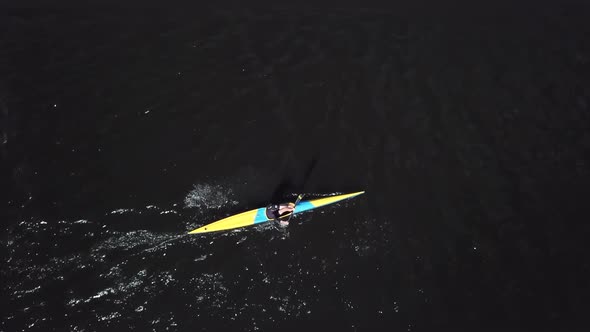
[260, 216]
[304, 206]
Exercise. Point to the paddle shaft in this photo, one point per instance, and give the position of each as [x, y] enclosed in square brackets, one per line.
[295, 206]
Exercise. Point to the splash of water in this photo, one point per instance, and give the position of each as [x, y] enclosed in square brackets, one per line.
[209, 196]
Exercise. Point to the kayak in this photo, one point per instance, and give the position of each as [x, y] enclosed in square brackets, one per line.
[258, 216]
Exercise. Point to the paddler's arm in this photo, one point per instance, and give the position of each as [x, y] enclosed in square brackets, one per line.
[286, 208]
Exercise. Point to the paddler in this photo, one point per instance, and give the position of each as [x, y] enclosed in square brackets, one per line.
[277, 211]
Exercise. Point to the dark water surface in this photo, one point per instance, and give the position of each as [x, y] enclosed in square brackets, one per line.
[123, 129]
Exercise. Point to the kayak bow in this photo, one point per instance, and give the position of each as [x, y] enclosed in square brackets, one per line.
[257, 216]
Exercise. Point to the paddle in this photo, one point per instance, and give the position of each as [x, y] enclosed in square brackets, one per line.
[290, 214]
[308, 171]
[286, 183]
[299, 197]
